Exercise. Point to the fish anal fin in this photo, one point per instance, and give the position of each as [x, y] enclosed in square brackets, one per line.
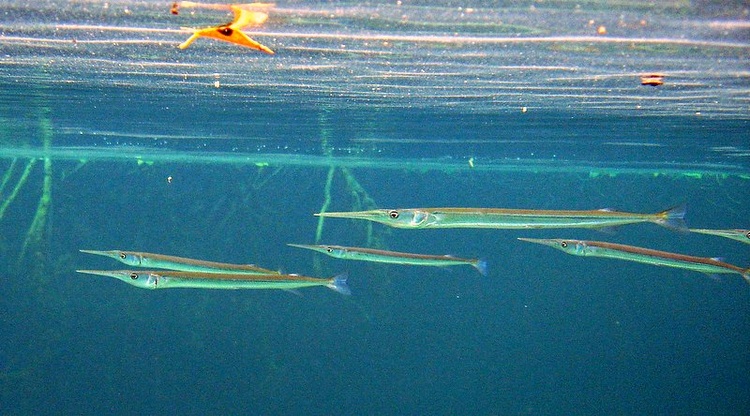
[714, 277]
[294, 292]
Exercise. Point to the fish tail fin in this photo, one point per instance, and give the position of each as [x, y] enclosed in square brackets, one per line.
[481, 265]
[338, 284]
[674, 218]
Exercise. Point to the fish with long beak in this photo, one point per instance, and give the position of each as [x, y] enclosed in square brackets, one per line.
[168, 279]
[709, 266]
[231, 32]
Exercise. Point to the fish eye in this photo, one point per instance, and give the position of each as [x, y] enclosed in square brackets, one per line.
[393, 214]
[564, 244]
[747, 234]
[123, 255]
[134, 276]
[224, 30]
[329, 249]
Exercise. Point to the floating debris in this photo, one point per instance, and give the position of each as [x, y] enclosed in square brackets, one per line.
[653, 80]
[231, 32]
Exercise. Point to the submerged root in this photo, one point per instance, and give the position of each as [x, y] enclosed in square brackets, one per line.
[16, 189]
[36, 233]
[262, 177]
[8, 174]
[362, 202]
[326, 203]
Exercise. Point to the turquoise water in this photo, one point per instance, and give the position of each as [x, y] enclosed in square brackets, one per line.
[112, 138]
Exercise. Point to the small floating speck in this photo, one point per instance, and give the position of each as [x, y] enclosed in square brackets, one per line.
[652, 80]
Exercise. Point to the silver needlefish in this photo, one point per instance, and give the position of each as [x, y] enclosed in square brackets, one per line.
[161, 261]
[418, 218]
[737, 234]
[168, 279]
[641, 255]
[393, 257]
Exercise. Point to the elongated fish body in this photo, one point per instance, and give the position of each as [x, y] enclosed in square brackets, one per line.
[166, 279]
[641, 255]
[160, 261]
[735, 234]
[418, 218]
[393, 257]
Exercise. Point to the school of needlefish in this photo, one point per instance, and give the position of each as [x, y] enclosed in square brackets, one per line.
[166, 272]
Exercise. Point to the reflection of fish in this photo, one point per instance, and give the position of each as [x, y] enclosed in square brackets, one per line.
[231, 32]
[161, 261]
[641, 255]
[393, 257]
[511, 218]
[167, 279]
[734, 234]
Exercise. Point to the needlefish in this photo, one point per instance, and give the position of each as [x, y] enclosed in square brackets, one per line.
[705, 265]
[167, 279]
[512, 218]
[735, 234]
[393, 257]
[161, 261]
